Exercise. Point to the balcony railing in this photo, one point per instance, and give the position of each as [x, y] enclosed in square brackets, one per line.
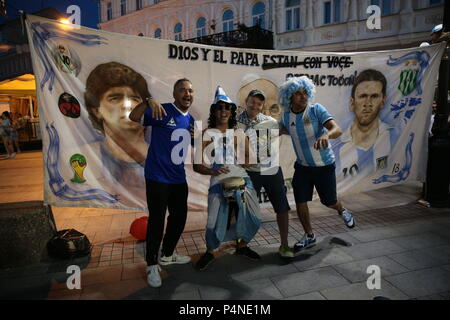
[244, 37]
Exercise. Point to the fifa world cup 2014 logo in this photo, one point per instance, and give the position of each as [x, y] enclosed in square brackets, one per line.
[78, 164]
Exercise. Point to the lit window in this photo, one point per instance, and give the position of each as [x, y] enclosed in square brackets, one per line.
[228, 23]
[292, 15]
[177, 31]
[258, 14]
[201, 27]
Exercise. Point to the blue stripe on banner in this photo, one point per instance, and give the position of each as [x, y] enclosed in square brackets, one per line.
[365, 159]
[304, 142]
[393, 136]
[337, 150]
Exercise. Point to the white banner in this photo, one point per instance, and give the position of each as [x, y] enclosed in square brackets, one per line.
[88, 164]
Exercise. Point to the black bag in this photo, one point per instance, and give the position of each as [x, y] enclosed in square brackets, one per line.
[69, 243]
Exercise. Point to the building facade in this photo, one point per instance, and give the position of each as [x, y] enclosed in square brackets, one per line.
[181, 19]
[342, 25]
[319, 25]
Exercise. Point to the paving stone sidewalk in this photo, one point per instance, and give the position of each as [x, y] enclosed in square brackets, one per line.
[410, 244]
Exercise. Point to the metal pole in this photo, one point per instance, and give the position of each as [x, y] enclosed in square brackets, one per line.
[30, 101]
[438, 171]
[442, 101]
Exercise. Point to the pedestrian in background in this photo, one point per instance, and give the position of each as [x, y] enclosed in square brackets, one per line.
[5, 132]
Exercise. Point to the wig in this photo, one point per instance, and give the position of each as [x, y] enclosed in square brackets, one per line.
[294, 84]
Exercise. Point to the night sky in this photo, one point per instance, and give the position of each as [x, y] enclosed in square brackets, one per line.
[89, 9]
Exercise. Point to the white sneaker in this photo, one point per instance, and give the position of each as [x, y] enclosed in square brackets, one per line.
[174, 259]
[153, 276]
[348, 218]
[13, 155]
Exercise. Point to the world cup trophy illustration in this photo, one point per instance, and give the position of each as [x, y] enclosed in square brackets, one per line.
[78, 163]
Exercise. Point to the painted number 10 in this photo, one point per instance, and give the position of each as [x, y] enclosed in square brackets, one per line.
[352, 171]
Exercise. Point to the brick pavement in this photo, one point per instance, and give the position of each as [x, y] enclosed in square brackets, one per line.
[128, 250]
[410, 243]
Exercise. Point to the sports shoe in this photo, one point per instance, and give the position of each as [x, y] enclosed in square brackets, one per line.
[174, 259]
[13, 155]
[247, 252]
[153, 276]
[204, 261]
[304, 243]
[285, 252]
[348, 218]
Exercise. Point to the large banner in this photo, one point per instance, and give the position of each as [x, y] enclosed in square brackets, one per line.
[94, 155]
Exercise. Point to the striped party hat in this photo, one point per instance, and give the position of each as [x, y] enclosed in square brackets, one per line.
[222, 96]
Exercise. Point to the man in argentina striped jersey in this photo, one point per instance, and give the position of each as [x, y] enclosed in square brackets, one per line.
[310, 126]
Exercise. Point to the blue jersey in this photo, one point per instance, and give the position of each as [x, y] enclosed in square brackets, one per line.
[169, 144]
[305, 128]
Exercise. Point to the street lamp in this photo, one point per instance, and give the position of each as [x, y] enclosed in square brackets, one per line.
[64, 20]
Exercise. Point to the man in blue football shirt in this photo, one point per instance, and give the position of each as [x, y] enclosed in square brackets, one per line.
[165, 176]
[310, 126]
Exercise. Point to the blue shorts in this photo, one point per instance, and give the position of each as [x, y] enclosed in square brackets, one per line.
[274, 187]
[323, 178]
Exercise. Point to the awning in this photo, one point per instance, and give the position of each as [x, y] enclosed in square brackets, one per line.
[22, 85]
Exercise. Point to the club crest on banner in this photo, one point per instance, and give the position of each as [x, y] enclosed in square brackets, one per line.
[411, 78]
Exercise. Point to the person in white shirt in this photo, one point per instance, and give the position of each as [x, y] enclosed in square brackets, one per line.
[265, 174]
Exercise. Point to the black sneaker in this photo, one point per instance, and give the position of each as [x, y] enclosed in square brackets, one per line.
[305, 242]
[204, 261]
[247, 252]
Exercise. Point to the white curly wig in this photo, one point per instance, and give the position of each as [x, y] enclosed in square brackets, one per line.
[288, 88]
